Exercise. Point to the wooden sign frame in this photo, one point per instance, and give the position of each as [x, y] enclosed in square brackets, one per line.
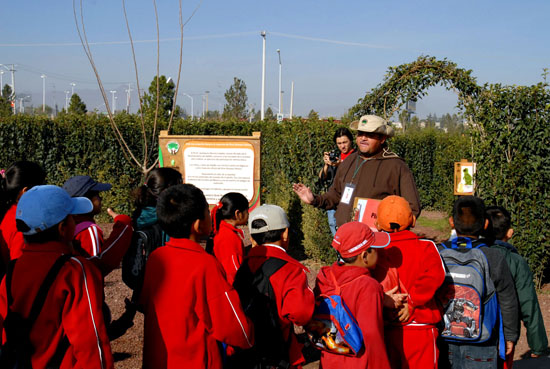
[217, 164]
[464, 178]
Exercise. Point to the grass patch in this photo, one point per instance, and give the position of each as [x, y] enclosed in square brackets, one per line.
[441, 225]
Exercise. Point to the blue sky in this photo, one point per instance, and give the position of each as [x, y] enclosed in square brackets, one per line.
[501, 41]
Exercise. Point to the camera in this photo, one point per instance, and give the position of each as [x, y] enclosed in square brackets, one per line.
[333, 156]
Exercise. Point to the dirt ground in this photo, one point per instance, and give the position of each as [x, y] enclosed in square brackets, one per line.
[127, 349]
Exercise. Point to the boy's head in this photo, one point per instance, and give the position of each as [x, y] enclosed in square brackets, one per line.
[44, 213]
[394, 214]
[85, 186]
[182, 212]
[468, 217]
[356, 242]
[269, 224]
[501, 223]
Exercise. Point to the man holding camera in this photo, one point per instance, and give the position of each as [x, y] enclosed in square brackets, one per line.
[344, 141]
[373, 172]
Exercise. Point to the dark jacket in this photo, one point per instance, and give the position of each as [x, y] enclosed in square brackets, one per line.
[382, 175]
[504, 285]
[529, 307]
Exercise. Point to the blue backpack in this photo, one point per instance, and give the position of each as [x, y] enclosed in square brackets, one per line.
[468, 296]
[333, 327]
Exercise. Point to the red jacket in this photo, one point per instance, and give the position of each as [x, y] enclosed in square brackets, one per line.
[420, 271]
[72, 307]
[12, 238]
[189, 307]
[363, 297]
[106, 254]
[229, 249]
[294, 299]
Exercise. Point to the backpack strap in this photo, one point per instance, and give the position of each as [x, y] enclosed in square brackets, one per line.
[45, 287]
[455, 241]
[268, 268]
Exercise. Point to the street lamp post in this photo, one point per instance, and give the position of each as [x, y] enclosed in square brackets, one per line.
[280, 82]
[67, 101]
[189, 96]
[206, 92]
[72, 88]
[113, 92]
[43, 93]
[262, 114]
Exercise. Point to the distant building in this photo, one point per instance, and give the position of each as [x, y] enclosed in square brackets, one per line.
[437, 124]
[397, 125]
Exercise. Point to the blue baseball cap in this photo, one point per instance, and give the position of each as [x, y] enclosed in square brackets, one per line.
[79, 185]
[43, 207]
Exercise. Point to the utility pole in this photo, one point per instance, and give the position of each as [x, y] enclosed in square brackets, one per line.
[206, 92]
[291, 98]
[72, 88]
[280, 82]
[128, 98]
[12, 70]
[67, 101]
[262, 114]
[113, 92]
[43, 93]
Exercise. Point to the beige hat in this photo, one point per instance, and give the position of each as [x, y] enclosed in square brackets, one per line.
[372, 123]
[273, 215]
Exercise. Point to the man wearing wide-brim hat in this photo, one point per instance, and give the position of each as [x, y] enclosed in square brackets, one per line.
[373, 172]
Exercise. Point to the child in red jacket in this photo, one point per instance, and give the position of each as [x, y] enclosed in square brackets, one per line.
[269, 229]
[231, 211]
[357, 245]
[105, 254]
[410, 340]
[188, 305]
[69, 331]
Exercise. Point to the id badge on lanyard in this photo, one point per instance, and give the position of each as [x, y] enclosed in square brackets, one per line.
[347, 194]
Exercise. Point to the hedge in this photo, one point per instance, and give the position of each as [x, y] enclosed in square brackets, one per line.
[291, 152]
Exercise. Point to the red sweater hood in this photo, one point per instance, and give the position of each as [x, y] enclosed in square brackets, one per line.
[343, 273]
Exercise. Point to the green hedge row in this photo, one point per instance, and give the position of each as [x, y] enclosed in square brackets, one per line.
[291, 152]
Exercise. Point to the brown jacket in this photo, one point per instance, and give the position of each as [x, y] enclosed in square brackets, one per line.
[382, 175]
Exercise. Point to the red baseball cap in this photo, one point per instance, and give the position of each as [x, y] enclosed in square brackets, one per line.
[355, 237]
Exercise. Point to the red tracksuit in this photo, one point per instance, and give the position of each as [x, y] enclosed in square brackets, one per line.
[412, 344]
[72, 307]
[363, 297]
[229, 249]
[12, 238]
[106, 254]
[294, 299]
[189, 307]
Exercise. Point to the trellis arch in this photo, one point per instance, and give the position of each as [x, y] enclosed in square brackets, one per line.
[410, 82]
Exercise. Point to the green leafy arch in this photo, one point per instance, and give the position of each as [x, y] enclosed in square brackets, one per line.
[410, 82]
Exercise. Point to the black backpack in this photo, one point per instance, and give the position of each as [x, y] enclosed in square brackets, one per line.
[256, 293]
[18, 349]
[144, 242]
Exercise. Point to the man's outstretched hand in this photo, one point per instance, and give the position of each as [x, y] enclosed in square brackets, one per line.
[303, 192]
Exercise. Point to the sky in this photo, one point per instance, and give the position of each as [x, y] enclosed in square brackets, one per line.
[334, 52]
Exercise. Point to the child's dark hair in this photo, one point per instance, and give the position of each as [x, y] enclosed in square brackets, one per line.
[500, 221]
[342, 131]
[229, 203]
[157, 181]
[178, 207]
[469, 216]
[19, 175]
[47, 235]
[265, 237]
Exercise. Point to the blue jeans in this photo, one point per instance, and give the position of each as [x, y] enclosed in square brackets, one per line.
[331, 221]
[464, 356]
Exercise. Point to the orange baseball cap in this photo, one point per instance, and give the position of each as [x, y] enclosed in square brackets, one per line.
[394, 213]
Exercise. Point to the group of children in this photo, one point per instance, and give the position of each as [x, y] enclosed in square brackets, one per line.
[196, 315]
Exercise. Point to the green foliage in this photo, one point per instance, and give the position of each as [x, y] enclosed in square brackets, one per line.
[269, 115]
[5, 101]
[512, 152]
[164, 91]
[76, 105]
[411, 82]
[313, 115]
[236, 100]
